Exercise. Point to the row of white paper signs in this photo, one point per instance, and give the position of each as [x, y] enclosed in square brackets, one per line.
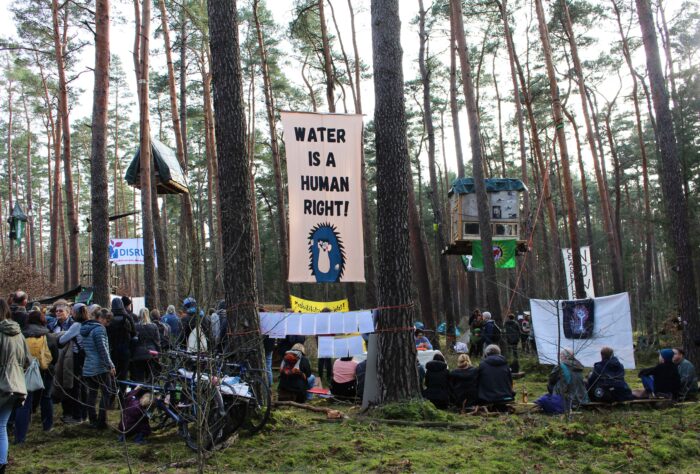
[343, 346]
[280, 325]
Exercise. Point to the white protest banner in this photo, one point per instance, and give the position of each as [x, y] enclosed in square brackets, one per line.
[585, 268]
[126, 251]
[612, 327]
[325, 198]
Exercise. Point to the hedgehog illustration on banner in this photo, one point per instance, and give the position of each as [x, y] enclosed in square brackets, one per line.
[326, 253]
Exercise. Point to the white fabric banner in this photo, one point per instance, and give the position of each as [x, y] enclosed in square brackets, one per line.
[325, 198]
[126, 251]
[329, 346]
[585, 268]
[612, 327]
[279, 325]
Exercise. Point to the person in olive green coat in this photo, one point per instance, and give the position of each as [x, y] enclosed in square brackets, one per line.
[14, 359]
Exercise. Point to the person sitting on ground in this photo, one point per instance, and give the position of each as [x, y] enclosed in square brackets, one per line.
[135, 420]
[661, 380]
[495, 379]
[464, 383]
[295, 375]
[343, 383]
[607, 381]
[566, 379]
[437, 386]
[422, 342]
[525, 329]
[686, 370]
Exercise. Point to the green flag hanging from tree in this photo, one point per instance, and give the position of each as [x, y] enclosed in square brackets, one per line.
[503, 254]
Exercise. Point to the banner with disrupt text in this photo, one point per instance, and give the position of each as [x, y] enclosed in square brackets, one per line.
[325, 199]
[126, 251]
[300, 305]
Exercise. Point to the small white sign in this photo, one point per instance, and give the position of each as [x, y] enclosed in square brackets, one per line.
[586, 263]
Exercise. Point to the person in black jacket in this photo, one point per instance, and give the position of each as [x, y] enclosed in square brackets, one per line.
[607, 381]
[662, 380]
[19, 308]
[464, 383]
[437, 387]
[495, 380]
[120, 331]
[143, 363]
[295, 375]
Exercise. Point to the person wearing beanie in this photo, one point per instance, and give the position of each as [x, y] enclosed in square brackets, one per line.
[686, 370]
[662, 380]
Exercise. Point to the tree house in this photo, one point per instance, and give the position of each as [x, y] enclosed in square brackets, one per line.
[504, 197]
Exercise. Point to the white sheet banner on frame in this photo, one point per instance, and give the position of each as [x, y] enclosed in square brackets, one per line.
[279, 325]
[324, 153]
[611, 327]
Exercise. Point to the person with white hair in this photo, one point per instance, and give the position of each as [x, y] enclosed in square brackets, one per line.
[495, 379]
[491, 332]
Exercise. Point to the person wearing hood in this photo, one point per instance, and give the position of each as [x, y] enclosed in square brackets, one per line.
[98, 370]
[143, 362]
[607, 381]
[200, 341]
[661, 380]
[295, 375]
[35, 334]
[14, 360]
[566, 379]
[495, 379]
[74, 401]
[121, 332]
[173, 321]
[437, 386]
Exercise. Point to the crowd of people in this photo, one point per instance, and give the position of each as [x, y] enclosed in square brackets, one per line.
[77, 353]
[80, 353]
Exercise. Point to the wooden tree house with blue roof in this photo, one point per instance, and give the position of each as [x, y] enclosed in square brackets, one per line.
[504, 196]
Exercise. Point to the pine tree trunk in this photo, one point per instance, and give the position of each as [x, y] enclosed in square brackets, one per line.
[672, 186]
[607, 216]
[397, 376]
[9, 158]
[234, 181]
[494, 305]
[579, 290]
[72, 213]
[454, 107]
[146, 160]
[327, 61]
[99, 184]
[276, 160]
[648, 225]
[443, 262]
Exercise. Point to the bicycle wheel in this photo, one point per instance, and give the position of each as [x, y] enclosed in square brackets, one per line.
[259, 405]
[205, 426]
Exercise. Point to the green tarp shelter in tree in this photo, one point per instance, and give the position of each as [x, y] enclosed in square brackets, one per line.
[169, 176]
[493, 185]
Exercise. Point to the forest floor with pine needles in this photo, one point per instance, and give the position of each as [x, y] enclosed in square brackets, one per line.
[621, 439]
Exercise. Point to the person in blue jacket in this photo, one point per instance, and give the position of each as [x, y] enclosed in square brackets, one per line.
[98, 369]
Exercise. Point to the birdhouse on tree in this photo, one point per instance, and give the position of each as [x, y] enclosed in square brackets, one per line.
[504, 197]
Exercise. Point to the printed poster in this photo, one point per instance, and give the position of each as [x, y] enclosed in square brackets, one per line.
[323, 154]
